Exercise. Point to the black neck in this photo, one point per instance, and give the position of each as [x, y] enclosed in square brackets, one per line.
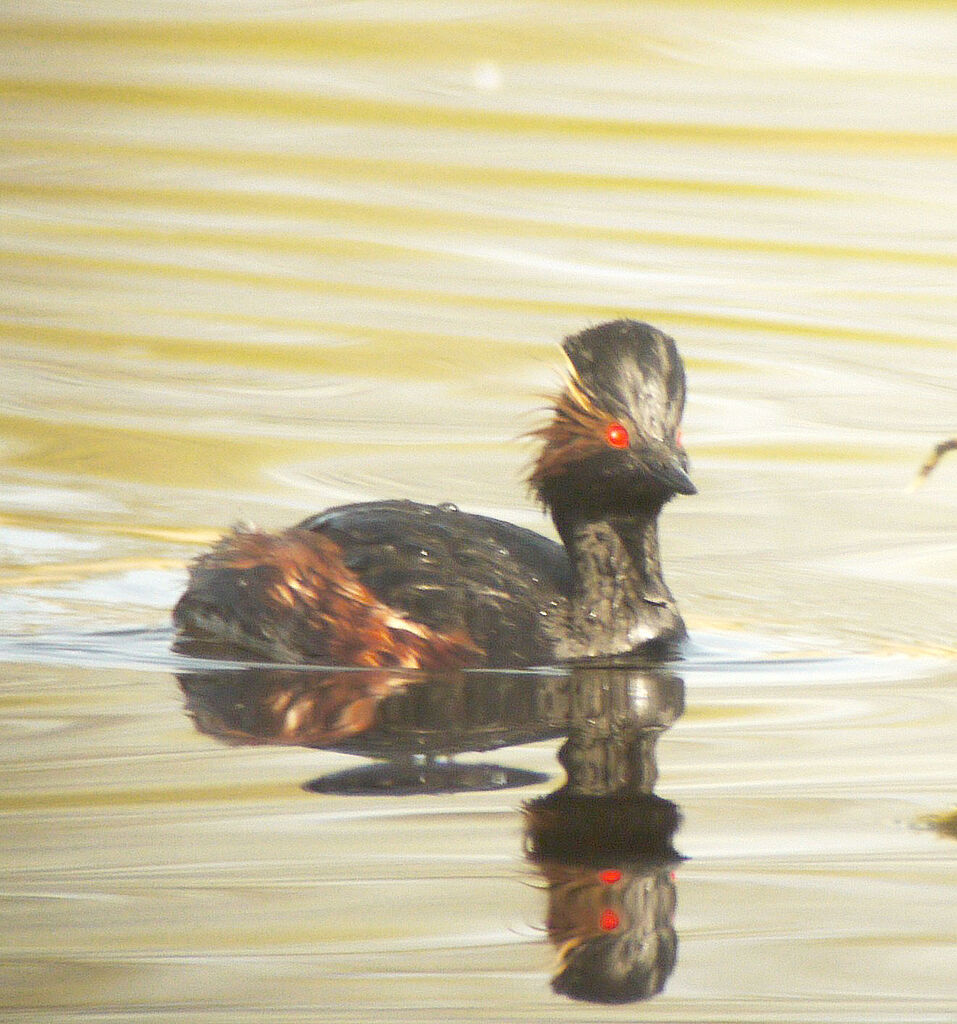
[620, 600]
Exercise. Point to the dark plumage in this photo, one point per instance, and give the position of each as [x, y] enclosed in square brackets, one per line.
[395, 583]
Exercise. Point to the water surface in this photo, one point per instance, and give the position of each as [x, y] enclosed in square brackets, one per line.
[258, 260]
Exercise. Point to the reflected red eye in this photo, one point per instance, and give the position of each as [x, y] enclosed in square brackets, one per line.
[609, 920]
[616, 435]
[610, 875]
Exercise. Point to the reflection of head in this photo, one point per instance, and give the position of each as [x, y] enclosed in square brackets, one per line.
[616, 943]
[611, 896]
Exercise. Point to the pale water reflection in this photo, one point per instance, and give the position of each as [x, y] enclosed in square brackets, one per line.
[260, 260]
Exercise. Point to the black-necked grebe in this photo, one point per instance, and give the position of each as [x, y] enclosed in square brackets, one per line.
[396, 583]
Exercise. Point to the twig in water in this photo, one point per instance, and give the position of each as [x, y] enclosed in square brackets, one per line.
[935, 456]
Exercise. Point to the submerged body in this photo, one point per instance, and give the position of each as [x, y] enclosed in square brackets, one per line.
[396, 583]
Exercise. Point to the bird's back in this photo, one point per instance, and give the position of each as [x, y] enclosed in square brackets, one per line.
[502, 586]
[383, 583]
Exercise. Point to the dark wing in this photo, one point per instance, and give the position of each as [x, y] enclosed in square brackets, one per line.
[502, 586]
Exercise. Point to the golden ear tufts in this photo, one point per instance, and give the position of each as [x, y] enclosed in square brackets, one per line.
[576, 390]
[575, 428]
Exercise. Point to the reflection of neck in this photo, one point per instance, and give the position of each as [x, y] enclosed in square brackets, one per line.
[614, 719]
[620, 599]
[620, 763]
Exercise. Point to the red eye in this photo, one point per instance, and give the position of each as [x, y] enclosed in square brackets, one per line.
[609, 920]
[610, 875]
[616, 435]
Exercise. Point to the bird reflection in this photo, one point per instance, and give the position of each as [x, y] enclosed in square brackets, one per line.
[286, 707]
[602, 841]
[413, 723]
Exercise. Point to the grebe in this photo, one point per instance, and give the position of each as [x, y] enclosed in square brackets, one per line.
[402, 584]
